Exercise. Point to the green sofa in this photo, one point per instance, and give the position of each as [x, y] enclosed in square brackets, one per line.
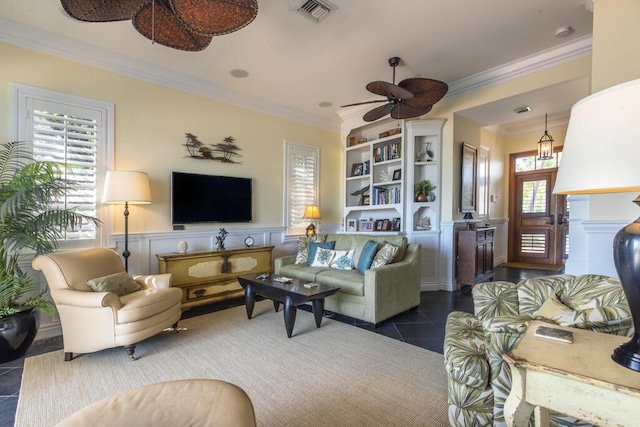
[374, 296]
[479, 379]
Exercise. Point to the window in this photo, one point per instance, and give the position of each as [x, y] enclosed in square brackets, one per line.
[302, 170]
[77, 132]
[530, 162]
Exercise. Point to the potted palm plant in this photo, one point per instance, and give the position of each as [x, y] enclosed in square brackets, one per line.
[29, 221]
[423, 191]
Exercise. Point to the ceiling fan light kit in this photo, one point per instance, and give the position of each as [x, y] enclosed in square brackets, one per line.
[186, 25]
[411, 97]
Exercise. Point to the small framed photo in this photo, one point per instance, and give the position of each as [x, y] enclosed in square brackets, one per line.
[356, 169]
[396, 224]
[366, 198]
[379, 224]
[397, 174]
[385, 225]
[367, 225]
[352, 225]
[361, 224]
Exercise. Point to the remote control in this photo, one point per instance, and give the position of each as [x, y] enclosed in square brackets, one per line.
[310, 285]
[262, 276]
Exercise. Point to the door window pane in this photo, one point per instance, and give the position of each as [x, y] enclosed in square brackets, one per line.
[534, 196]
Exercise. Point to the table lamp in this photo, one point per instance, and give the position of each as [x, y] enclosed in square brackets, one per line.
[126, 187]
[311, 212]
[601, 154]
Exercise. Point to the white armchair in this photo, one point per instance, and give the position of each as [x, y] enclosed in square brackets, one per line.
[93, 321]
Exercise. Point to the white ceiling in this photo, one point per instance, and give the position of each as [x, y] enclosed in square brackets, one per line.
[294, 63]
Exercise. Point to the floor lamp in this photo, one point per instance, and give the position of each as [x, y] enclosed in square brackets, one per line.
[601, 154]
[126, 187]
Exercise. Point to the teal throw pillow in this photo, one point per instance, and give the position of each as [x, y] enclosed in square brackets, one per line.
[313, 247]
[118, 283]
[366, 256]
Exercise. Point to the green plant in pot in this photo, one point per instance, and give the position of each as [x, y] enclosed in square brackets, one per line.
[423, 191]
[29, 221]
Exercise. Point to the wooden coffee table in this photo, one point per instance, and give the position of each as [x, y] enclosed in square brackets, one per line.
[290, 294]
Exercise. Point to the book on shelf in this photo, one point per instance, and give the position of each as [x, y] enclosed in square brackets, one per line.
[554, 334]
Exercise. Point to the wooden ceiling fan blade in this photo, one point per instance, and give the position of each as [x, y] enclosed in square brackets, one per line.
[378, 112]
[425, 91]
[387, 89]
[101, 10]
[362, 103]
[404, 111]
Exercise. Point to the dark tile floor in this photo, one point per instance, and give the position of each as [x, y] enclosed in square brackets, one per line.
[423, 327]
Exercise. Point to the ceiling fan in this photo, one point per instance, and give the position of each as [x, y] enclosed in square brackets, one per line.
[410, 98]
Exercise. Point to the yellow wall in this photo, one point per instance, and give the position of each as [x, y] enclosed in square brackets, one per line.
[150, 123]
[616, 59]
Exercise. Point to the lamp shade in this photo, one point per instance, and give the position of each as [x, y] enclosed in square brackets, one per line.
[126, 187]
[311, 212]
[601, 151]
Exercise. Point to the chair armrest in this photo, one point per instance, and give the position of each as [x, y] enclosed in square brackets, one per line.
[154, 281]
[464, 350]
[283, 261]
[87, 299]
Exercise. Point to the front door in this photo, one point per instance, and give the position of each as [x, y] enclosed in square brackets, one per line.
[541, 224]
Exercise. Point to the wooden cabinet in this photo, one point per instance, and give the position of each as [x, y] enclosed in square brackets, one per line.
[210, 276]
[475, 255]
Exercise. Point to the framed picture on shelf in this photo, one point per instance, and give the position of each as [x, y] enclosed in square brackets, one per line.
[352, 225]
[361, 224]
[468, 178]
[396, 224]
[385, 225]
[366, 198]
[379, 223]
[367, 225]
[397, 174]
[356, 169]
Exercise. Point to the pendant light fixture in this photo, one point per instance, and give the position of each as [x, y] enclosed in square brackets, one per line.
[545, 145]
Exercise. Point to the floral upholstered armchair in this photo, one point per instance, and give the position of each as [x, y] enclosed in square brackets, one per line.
[479, 380]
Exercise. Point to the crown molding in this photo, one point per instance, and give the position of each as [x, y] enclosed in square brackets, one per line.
[63, 47]
[545, 59]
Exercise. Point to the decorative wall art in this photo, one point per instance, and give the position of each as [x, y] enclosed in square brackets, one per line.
[224, 151]
[468, 178]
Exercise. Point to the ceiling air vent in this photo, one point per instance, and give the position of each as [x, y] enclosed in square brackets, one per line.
[316, 9]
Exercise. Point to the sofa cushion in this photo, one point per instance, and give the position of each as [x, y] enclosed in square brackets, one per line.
[303, 247]
[349, 281]
[342, 260]
[323, 257]
[369, 251]
[357, 242]
[532, 293]
[302, 272]
[386, 253]
[118, 283]
[493, 299]
[314, 246]
[139, 305]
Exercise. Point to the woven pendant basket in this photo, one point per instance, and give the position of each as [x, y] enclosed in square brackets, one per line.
[215, 17]
[101, 10]
[159, 24]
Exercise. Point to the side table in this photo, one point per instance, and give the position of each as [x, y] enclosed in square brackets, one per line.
[577, 379]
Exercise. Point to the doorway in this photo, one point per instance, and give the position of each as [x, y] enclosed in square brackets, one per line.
[539, 219]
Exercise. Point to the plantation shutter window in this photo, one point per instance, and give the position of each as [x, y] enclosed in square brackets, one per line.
[76, 132]
[301, 184]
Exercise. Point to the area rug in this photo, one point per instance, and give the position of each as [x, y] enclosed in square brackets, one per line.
[337, 375]
[530, 266]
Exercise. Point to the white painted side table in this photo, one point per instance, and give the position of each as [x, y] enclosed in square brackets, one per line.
[577, 379]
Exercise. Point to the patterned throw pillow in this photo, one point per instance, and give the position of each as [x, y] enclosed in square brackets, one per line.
[323, 258]
[366, 256]
[343, 260]
[552, 308]
[303, 247]
[314, 246]
[118, 283]
[384, 255]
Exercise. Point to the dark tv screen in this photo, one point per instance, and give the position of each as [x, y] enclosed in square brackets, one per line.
[209, 198]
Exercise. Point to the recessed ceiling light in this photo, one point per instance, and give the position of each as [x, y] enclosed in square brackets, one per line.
[521, 110]
[325, 104]
[564, 31]
[241, 74]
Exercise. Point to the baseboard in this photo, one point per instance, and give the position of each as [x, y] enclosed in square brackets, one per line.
[50, 330]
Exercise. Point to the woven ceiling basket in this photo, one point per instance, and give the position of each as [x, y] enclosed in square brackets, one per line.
[180, 24]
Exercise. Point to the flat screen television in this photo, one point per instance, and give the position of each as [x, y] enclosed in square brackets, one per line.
[199, 198]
